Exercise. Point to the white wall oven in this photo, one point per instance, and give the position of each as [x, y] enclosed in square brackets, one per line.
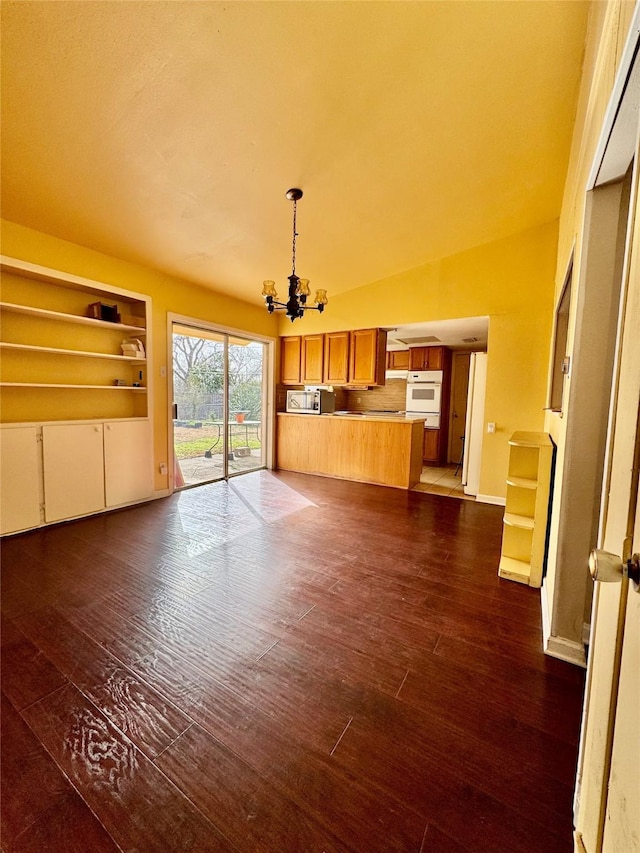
[424, 395]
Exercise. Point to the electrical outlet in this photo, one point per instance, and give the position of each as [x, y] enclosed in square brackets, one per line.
[358, 400]
[491, 427]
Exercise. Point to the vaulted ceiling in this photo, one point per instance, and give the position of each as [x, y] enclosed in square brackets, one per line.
[167, 133]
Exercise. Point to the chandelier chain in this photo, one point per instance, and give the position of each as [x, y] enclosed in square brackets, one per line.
[295, 234]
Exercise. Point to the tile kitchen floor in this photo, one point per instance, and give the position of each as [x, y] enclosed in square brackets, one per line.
[442, 481]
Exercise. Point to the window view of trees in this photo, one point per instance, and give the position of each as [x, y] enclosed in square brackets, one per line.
[198, 369]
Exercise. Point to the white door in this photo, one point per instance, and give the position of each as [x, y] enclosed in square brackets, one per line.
[607, 803]
[128, 475]
[20, 490]
[73, 464]
[474, 428]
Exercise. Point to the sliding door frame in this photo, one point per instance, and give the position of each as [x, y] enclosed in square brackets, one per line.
[268, 415]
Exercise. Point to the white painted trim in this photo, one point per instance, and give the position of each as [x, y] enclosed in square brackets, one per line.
[567, 650]
[491, 499]
[545, 614]
[558, 647]
[615, 100]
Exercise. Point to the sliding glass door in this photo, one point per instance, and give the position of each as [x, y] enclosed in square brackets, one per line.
[219, 388]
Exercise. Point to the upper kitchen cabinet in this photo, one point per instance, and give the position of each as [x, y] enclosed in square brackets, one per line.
[367, 358]
[398, 359]
[336, 358]
[312, 359]
[426, 358]
[290, 356]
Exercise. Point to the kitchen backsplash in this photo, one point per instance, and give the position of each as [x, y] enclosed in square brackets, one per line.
[392, 396]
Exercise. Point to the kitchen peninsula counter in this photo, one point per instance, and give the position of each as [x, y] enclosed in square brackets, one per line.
[382, 449]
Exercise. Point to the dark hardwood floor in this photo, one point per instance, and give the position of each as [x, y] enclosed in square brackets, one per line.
[281, 663]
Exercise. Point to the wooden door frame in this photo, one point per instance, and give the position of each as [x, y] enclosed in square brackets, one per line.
[617, 147]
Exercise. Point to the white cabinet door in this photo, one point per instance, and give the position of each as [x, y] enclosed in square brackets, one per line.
[73, 470]
[20, 491]
[127, 462]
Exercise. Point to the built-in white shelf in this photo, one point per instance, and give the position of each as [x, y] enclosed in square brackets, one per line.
[515, 570]
[522, 482]
[522, 521]
[527, 507]
[136, 388]
[56, 351]
[69, 318]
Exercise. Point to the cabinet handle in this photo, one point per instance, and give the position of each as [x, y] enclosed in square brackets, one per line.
[96, 429]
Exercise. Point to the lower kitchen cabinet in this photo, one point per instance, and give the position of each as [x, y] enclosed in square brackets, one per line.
[431, 446]
[21, 492]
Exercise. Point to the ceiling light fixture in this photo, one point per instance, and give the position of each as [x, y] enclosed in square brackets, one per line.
[298, 287]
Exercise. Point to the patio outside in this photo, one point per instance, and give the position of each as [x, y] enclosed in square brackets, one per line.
[199, 429]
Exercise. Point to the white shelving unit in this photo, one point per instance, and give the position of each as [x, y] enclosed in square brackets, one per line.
[527, 508]
[38, 355]
[68, 449]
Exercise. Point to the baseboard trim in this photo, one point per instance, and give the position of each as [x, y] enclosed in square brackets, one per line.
[570, 651]
[491, 499]
[161, 493]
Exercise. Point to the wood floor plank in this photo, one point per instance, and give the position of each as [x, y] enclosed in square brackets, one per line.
[27, 675]
[40, 808]
[141, 713]
[131, 797]
[250, 810]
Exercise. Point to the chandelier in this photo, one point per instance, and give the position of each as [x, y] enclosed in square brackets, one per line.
[298, 287]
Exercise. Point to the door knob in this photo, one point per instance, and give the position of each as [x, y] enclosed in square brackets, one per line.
[607, 567]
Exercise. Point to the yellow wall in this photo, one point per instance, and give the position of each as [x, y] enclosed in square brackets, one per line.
[168, 295]
[511, 281]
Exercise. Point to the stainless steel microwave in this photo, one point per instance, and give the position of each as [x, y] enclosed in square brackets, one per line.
[311, 402]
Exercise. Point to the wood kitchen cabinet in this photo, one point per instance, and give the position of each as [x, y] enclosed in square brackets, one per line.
[290, 360]
[312, 360]
[426, 358]
[354, 358]
[431, 446]
[367, 359]
[398, 359]
[336, 358]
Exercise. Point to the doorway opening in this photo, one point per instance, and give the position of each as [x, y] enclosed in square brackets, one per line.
[219, 402]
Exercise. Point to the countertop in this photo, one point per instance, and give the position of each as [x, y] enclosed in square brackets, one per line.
[363, 416]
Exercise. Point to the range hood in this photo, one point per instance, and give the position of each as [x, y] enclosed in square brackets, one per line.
[396, 374]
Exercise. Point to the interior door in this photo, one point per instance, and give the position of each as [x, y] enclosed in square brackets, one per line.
[608, 784]
[459, 391]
